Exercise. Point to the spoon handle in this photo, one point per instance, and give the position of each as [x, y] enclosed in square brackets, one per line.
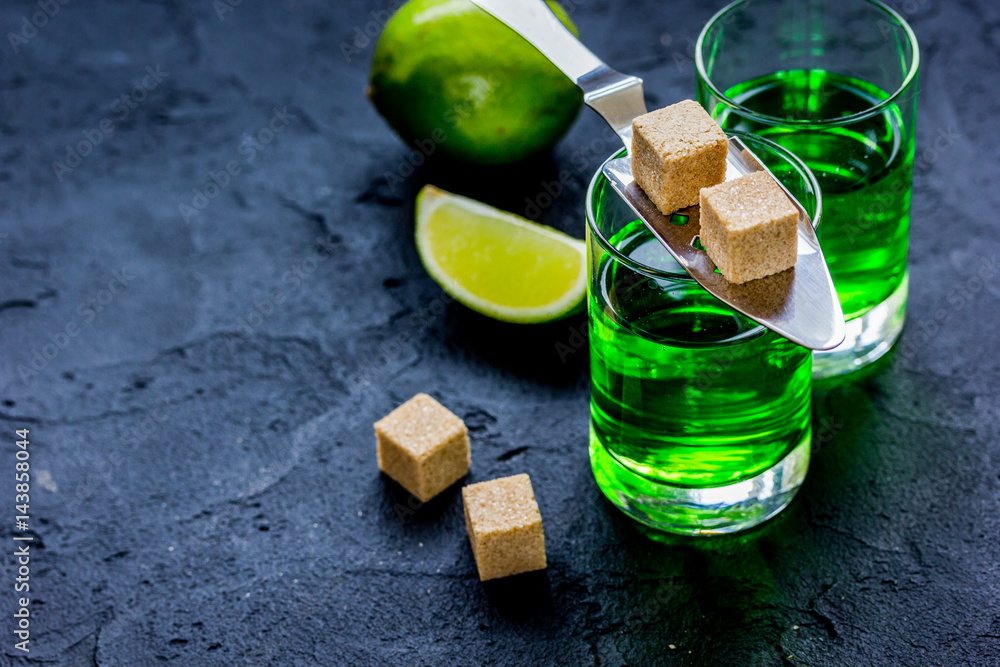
[616, 97]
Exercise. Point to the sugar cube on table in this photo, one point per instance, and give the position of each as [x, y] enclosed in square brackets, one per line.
[748, 227]
[677, 151]
[504, 526]
[423, 446]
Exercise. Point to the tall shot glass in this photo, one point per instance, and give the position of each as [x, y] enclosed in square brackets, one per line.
[834, 82]
[699, 417]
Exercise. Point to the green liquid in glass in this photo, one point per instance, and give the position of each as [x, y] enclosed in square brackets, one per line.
[864, 170]
[684, 390]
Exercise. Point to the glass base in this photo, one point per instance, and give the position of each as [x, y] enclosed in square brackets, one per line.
[700, 511]
[868, 337]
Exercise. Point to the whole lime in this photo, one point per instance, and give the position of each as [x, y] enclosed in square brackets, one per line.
[451, 79]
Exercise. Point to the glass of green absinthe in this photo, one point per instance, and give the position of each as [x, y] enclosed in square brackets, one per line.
[699, 417]
[834, 82]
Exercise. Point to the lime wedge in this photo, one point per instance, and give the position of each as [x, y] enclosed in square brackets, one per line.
[497, 263]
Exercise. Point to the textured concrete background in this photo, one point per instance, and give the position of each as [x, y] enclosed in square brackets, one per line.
[205, 489]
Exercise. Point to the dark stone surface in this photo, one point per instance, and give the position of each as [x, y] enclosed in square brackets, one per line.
[205, 489]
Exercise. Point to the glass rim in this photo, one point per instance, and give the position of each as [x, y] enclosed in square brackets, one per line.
[683, 275]
[911, 74]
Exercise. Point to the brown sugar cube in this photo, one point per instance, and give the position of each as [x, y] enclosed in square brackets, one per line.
[423, 446]
[504, 526]
[748, 227]
[677, 151]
